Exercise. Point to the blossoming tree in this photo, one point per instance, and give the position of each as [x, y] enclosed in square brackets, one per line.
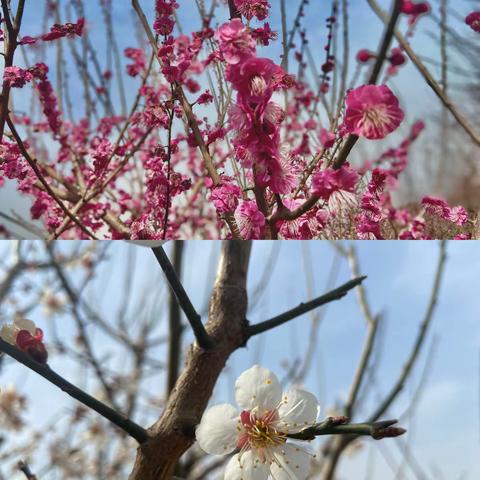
[269, 434]
[211, 138]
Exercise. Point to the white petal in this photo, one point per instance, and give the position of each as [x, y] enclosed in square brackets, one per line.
[8, 333]
[298, 410]
[147, 243]
[217, 433]
[25, 324]
[246, 467]
[291, 462]
[258, 387]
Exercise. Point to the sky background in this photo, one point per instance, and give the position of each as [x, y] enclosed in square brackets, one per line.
[444, 430]
[365, 29]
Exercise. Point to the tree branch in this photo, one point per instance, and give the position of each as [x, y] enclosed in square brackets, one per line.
[175, 324]
[422, 333]
[340, 426]
[121, 421]
[201, 335]
[234, 13]
[25, 469]
[335, 294]
[439, 92]
[377, 67]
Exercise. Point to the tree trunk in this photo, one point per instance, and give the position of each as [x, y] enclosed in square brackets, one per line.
[174, 432]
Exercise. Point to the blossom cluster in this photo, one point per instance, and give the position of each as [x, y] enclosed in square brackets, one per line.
[25, 335]
[266, 165]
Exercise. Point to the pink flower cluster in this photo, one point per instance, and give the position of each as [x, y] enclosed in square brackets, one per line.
[253, 8]
[414, 10]
[16, 77]
[47, 98]
[336, 187]
[164, 22]
[139, 61]
[473, 21]
[67, 30]
[438, 207]
[250, 220]
[254, 118]
[396, 59]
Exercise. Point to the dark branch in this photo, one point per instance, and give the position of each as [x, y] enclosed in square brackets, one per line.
[377, 68]
[25, 469]
[201, 335]
[335, 294]
[121, 421]
[340, 426]
[234, 13]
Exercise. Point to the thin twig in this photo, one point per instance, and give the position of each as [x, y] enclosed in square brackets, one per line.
[340, 426]
[201, 335]
[25, 469]
[121, 421]
[274, 322]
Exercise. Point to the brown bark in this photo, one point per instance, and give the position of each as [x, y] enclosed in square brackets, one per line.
[174, 432]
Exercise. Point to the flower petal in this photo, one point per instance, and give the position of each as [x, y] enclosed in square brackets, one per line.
[246, 467]
[258, 387]
[298, 410]
[8, 333]
[217, 432]
[291, 462]
[25, 324]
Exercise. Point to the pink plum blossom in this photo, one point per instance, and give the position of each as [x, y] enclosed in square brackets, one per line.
[236, 43]
[473, 21]
[253, 8]
[436, 206]
[372, 112]
[250, 220]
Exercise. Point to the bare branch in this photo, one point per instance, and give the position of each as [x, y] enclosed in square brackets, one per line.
[340, 426]
[201, 335]
[25, 469]
[121, 421]
[335, 294]
[407, 369]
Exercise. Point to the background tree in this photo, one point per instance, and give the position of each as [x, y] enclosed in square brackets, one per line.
[132, 361]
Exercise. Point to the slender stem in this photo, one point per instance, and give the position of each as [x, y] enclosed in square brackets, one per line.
[377, 67]
[462, 121]
[201, 335]
[420, 340]
[121, 421]
[234, 13]
[340, 426]
[175, 324]
[25, 469]
[335, 294]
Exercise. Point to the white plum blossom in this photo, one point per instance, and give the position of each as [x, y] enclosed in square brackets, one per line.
[9, 331]
[259, 432]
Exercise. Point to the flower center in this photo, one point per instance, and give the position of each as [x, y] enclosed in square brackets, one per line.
[260, 433]
[376, 116]
[258, 86]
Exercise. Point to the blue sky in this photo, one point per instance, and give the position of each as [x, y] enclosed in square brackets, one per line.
[365, 31]
[444, 429]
